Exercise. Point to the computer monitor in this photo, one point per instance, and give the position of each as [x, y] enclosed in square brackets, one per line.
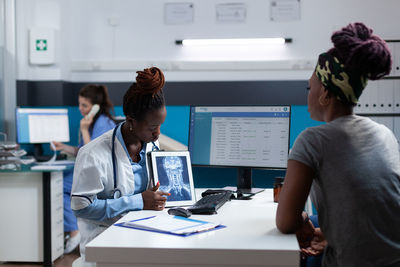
[244, 137]
[41, 125]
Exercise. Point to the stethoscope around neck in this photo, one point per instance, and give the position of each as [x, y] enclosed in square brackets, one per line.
[116, 193]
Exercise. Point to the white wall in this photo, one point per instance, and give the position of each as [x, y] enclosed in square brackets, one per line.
[89, 49]
[2, 60]
[8, 99]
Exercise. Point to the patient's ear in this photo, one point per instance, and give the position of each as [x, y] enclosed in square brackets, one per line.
[325, 97]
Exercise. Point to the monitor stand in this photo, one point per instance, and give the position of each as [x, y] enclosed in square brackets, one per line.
[244, 181]
[38, 154]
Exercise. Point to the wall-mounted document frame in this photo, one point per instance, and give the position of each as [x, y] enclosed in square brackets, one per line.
[231, 13]
[285, 10]
[178, 13]
[173, 169]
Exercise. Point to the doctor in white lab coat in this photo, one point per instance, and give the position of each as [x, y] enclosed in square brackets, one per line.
[110, 176]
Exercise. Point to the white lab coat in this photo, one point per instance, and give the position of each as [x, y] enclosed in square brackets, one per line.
[93, 176]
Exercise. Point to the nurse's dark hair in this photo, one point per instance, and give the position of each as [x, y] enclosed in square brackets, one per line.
[146, 95]
[361, 51]
[98, 94]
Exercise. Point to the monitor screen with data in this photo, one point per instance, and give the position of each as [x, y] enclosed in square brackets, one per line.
[240, 136]
[42, 125]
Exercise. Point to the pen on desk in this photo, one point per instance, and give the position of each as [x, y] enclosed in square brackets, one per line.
[206, 228]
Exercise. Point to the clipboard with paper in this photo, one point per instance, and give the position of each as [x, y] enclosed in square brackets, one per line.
[174, 225]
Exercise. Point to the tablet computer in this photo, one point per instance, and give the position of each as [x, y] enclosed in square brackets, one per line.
[173, 170]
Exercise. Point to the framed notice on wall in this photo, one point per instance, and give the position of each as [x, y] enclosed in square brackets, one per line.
[285, 10]
[231, 13]
[178, 13]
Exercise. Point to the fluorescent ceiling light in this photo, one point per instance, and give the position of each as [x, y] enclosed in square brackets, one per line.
[246, 41]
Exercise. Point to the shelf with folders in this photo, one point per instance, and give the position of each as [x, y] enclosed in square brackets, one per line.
[380, 100]
[383, 96]
[380, 97]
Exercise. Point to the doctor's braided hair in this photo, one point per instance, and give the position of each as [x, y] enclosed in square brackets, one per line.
[145, 95]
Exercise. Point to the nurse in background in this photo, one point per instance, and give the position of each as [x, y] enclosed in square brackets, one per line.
[110, 176]
[91, 97]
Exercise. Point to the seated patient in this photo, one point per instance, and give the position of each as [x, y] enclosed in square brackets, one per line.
[352, 162]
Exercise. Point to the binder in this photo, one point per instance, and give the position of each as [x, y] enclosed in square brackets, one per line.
[387, 121]
[367, 103]
[385, 96]
[396, 96]
[396, 59]
[360, 108]
[392, 48]
[372, 104]
[174, 225]
[396, 127]
[374, 118]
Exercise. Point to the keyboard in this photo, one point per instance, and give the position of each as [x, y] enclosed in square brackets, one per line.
[209, 204]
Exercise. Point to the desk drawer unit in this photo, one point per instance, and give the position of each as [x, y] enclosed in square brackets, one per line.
[57, 215]
[21, 227]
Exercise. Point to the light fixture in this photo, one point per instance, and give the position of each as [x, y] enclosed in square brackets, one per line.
[234, 41]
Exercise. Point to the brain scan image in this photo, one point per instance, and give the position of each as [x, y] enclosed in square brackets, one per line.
[173, 177]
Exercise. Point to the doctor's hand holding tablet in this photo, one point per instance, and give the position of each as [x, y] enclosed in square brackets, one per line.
[154, 199]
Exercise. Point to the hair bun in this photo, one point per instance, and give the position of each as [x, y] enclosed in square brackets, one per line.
[361, 51]
[150, 81]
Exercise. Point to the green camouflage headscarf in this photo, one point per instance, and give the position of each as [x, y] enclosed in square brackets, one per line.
[343, 84]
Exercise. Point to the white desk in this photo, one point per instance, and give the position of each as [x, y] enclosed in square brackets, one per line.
[250, 239]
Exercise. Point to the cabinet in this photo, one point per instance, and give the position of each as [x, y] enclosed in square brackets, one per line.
[32, 226]
[380, 100]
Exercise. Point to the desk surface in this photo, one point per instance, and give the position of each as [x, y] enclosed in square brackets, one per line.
[27, 168]
[250, 238]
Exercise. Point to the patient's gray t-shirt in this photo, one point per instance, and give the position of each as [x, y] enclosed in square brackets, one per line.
[356, 189]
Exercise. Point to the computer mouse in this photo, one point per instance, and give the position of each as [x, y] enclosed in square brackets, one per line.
[179, 212]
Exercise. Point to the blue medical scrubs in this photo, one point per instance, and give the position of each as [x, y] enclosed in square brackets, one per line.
[103, 124]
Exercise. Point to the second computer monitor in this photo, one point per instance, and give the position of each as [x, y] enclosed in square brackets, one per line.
[240, 136]
[42, 125]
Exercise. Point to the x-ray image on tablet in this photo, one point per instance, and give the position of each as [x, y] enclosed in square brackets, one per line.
[173, 171]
